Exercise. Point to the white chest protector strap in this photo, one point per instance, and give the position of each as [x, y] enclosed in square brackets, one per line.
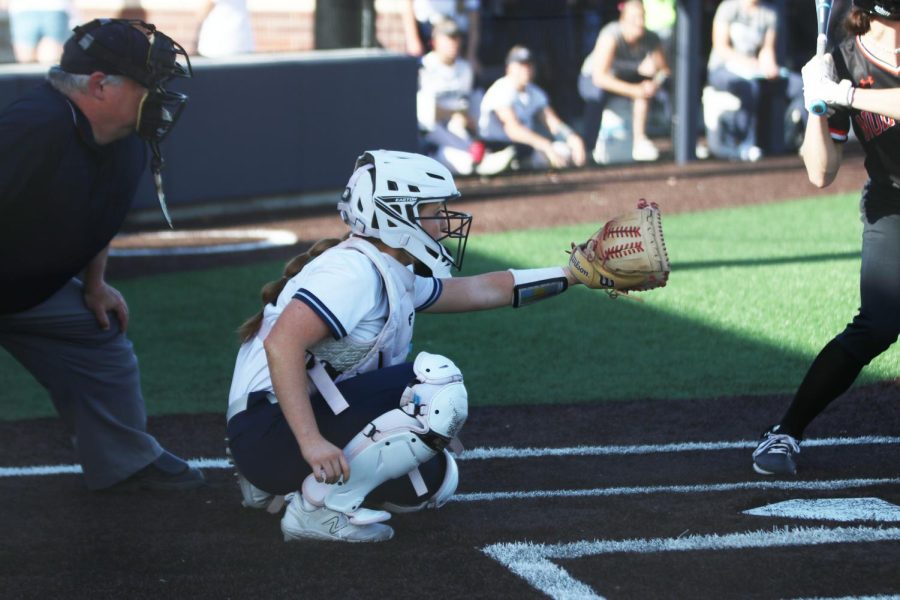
[325, 385]
[394, 444]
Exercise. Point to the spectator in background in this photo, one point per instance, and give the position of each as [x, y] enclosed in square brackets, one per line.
[225, 28]
[444, 101]
[419, 17]
[743, 62]
[39, 28]
[548, 29]
[514, 108]
[627, 61]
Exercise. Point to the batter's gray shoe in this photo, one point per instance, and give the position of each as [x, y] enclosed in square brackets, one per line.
[775, 454]
[304, 521]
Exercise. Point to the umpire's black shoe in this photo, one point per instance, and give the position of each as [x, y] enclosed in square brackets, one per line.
[167, 473]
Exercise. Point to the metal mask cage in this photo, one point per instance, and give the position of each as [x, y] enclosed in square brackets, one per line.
[455, 226]
[163, 57]
[158, 113]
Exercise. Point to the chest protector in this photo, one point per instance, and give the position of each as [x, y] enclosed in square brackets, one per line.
[391, 347]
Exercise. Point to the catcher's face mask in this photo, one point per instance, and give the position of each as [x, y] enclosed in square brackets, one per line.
[453, 229]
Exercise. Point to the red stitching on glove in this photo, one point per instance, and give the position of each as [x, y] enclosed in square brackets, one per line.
[621, 231]
[622, 250]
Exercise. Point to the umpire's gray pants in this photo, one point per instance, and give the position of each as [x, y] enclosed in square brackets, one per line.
[93, 379]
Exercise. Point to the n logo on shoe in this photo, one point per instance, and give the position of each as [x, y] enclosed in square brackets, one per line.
[333, 524]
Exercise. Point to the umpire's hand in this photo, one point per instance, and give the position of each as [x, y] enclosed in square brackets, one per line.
[103, 298]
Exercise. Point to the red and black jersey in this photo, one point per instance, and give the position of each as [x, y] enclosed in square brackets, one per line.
[879, 135]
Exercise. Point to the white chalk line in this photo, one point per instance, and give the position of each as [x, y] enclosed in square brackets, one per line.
[262, 238]
[42, 470]
[833, 484]
[532, 562]
[878, 597]
[519, 453]
[510, 452]
[831, 509]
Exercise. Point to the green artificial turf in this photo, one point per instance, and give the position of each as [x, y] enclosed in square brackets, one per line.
[754, 293]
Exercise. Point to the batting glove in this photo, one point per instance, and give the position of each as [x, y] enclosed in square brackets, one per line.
[819, 68]
[834, 94]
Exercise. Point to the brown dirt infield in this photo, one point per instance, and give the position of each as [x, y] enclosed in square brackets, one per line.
[60, 540]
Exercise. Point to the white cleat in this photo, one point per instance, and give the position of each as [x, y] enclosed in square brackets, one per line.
[305, 521]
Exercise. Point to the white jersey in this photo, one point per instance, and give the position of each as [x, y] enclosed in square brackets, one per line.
[449, 85]
[366, 298]
[527, 104]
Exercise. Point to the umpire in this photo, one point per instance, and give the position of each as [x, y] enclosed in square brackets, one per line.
[72, 152]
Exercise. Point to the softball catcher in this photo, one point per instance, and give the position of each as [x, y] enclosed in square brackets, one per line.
[324, 406]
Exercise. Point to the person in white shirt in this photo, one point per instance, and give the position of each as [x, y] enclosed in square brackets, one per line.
[323, 398]
[513, 109]
[225, 28]
[443, 102]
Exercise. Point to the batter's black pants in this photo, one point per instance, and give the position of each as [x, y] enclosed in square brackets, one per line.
[877, 324]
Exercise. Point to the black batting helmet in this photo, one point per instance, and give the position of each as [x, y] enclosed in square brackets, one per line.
[887, 9]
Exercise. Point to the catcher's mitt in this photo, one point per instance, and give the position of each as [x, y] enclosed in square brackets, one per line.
[627, 254]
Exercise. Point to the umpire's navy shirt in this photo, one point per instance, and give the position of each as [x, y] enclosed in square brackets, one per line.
[62, 196]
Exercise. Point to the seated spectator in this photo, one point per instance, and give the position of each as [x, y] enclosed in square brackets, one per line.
[444, 102]
[515, 113]
[420, 16]
[743, 62]
[627, 61]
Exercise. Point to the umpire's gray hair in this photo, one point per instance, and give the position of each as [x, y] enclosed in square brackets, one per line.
[71, 83]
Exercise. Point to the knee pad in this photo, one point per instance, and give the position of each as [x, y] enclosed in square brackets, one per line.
[438, 401]
[432, 411]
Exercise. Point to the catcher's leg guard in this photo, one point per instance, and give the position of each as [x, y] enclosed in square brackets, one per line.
[438, 498]
[431, 414]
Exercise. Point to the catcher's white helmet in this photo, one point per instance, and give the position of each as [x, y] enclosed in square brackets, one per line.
[382, 201]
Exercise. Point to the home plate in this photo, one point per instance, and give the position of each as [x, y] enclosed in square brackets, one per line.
[832, 509]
